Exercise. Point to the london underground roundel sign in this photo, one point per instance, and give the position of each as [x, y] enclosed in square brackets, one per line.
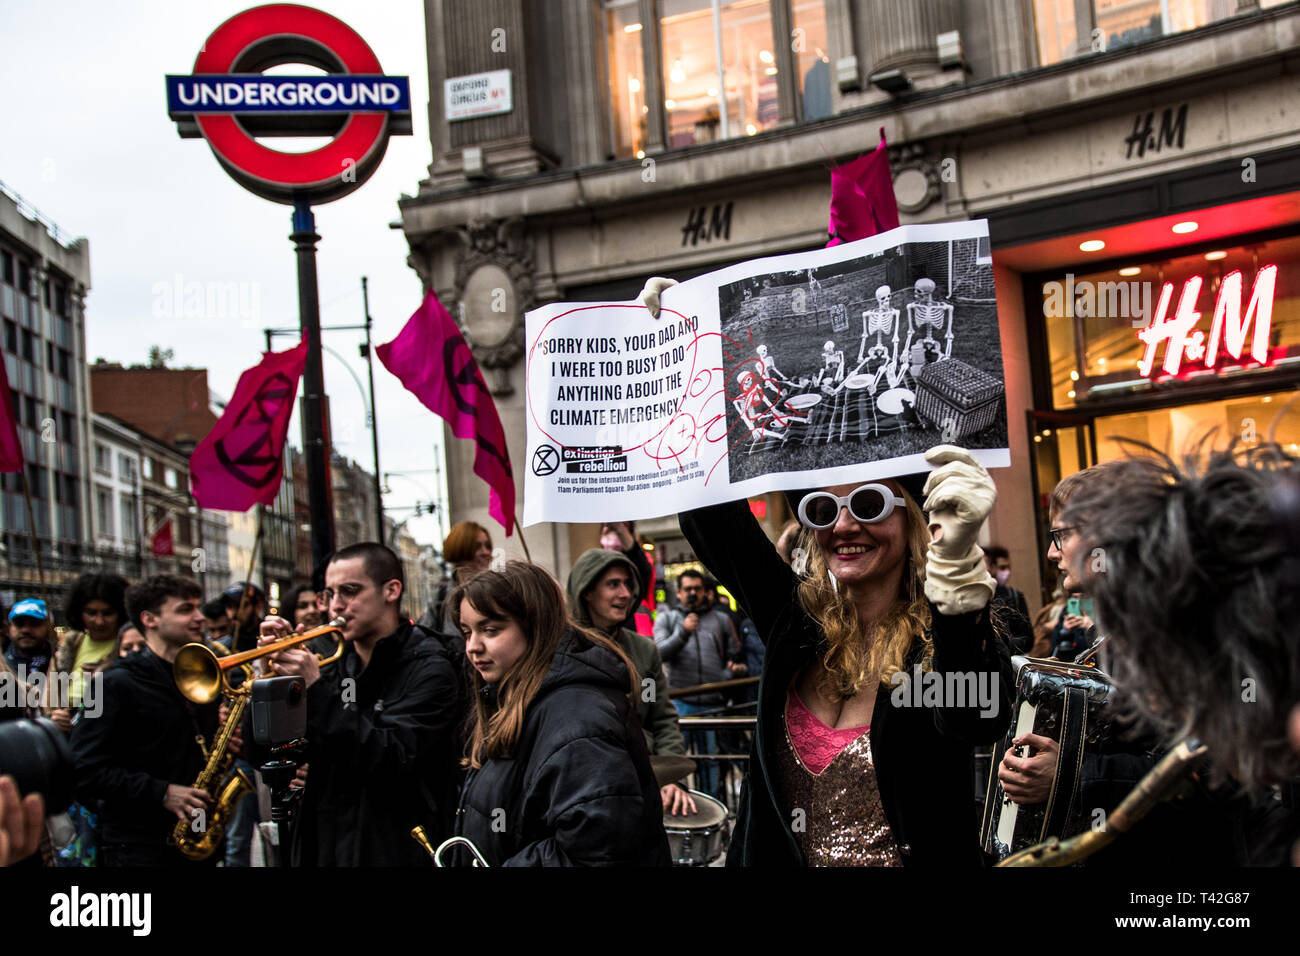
[229, 101]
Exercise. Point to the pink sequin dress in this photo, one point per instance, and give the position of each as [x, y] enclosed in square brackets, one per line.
[831, 794]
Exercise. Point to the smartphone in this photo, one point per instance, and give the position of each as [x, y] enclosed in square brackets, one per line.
[1072, 606]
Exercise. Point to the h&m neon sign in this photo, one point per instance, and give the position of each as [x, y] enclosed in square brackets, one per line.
[1228, 328]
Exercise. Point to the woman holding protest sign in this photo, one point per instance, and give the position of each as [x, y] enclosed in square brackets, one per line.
[851, 763]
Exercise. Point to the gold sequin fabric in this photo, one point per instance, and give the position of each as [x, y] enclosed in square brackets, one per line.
[843, 821]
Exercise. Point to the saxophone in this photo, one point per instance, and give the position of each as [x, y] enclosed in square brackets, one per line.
[224, 783]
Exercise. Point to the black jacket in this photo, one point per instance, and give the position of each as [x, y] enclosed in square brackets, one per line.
[923, 755]
[142, 741]
[577, 789]
[1011, 614]
[383, 750]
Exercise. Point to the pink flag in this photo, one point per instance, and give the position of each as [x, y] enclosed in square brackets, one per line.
[432, 360]
[161, 544]
[862, 197]
[11, 449]
[240, 463]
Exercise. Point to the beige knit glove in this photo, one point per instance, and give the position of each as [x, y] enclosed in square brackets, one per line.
[959, 496]
[649, 296]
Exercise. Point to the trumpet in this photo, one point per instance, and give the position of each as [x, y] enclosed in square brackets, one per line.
[422, 838]
[202, 676]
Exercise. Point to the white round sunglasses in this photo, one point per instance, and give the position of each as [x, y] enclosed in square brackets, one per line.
[869, 504]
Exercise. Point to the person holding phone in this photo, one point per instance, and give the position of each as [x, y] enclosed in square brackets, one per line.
[1075, 632]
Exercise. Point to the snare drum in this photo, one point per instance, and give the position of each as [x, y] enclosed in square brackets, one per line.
[697, 839]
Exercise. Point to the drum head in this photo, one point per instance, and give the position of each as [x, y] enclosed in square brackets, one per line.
[708, 813]
[858, 381]
[801, 402]
[891, 402]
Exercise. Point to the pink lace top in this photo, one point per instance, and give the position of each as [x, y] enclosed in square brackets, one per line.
[815, 742]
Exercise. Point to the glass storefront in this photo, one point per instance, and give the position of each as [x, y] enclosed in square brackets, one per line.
[1093, 320]
[812, 62]
[707, 101]
[1121, 23]
[627, 106]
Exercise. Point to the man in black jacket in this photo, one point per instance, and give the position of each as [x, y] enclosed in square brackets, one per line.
[382, 723]
[137, 759]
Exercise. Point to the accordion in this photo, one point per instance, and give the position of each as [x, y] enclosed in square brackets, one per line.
[1066, 702]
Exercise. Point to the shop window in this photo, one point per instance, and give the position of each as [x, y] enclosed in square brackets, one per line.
[104, 510]
[1093, 319]
[627, 105]
[812, 61]
[1251, 420]
[1122, 23]
[705, 100]
[129, 520]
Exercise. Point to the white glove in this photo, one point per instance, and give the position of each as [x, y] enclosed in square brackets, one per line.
[959, 496]
[649, 296]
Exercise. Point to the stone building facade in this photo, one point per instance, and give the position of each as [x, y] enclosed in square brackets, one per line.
[1089, 134]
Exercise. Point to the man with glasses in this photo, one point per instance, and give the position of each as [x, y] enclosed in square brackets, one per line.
[382, 722]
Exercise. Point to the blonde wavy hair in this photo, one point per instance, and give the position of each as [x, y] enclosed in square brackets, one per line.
[855, 657]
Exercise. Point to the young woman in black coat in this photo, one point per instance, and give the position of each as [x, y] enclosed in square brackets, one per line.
[882, 670]
[559, 772]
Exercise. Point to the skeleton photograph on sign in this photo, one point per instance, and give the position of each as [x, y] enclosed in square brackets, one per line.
[916, 364]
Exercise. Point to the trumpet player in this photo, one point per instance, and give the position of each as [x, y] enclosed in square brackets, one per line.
[382, 722]
[137, 759]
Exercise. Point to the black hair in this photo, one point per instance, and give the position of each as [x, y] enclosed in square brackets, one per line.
[379, 562]
[291, 601]
[109, 588]
[1196, 583]
[689, 573]
[995, 552]
[150, 593]
[215, 608]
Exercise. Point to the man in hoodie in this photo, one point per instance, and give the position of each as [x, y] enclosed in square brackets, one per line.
[603, 588]
[137, 759]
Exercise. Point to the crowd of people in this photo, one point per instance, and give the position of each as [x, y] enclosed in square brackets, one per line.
[533, 719]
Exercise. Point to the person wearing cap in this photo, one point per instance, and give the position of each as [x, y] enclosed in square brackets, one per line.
[602, 587]
[26, 646]
[849, 764]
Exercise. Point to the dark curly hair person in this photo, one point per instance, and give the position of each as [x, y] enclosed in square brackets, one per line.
[1198, 590]
[95, 611]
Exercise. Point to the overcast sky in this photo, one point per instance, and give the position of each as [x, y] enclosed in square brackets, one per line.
[87, 141]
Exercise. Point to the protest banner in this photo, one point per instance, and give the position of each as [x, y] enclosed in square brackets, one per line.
[810, 369]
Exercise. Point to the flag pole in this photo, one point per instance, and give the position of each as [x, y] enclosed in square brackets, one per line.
[248, 580]
[520, 531]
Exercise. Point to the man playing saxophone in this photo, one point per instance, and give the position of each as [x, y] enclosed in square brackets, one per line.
[137, 761]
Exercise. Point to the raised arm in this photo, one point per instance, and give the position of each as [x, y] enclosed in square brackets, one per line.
[733, 547]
